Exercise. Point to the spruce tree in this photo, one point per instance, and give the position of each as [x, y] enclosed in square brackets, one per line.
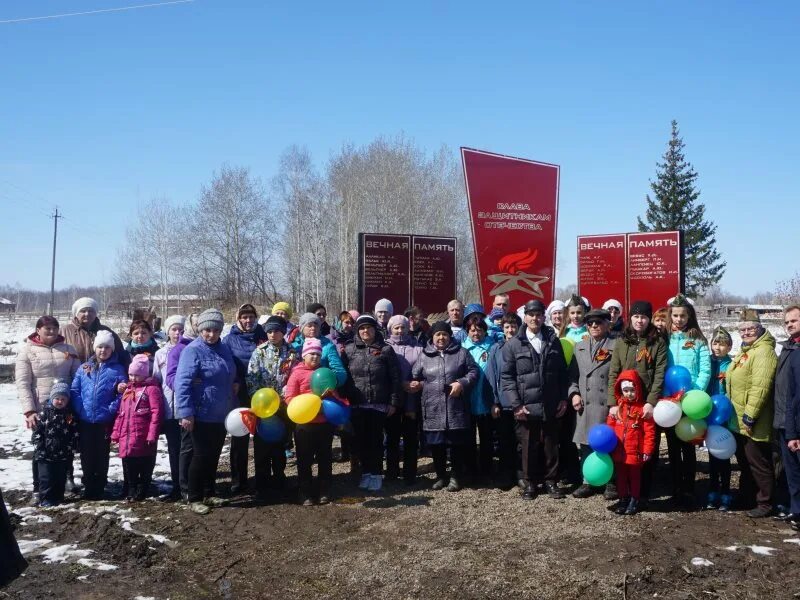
[675, 206]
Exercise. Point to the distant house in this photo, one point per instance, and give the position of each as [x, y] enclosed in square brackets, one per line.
[732, 310]
[7, 306]
[176, 303]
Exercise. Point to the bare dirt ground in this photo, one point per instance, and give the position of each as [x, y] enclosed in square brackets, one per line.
[405, 543]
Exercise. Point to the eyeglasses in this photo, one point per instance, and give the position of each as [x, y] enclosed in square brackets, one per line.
[748, 329]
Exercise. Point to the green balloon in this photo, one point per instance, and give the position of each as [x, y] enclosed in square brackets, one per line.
[322, 380]
[690, 430]
[598, 469]
[696, 404]
[569, 349]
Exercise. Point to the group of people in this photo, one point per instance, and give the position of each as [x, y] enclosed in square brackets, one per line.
[491, 395]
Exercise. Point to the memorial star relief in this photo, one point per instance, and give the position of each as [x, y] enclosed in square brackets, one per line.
[513, 277]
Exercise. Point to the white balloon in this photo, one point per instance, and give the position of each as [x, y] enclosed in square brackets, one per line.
[720, 442]
[234, 423]
[667, 413]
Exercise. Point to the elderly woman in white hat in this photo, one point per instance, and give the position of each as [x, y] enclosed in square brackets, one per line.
[82, 330]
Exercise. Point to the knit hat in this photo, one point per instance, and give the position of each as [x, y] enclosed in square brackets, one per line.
[642, 307]
[354, 313]
[397, 320]
[384, 304]
[60, 388]
[104, 338]
[82, 303]
[366, 319]
[625, 385]
[553, 306]
[190, 326]
[175, 320]
[275, 323]
[140, 366]
[441, 326]
[749, 316]
[284, 306]
[308, 318]
[721, 334]
[612, 303]
[312, 345]
[497, 313]
[534, 306]
[210, 318]
[246, 309]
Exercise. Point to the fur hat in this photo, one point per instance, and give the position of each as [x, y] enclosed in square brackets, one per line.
[284, 306]
[397, 320]
[384, 304]
[104, 338]
[721, 334]
[82, 303]
[312, 345]
[210, 318]
[140, 365]
[612, 303]
[307, 319]
[60, 388]
[275, 323]
[174, 320]
[641, 307]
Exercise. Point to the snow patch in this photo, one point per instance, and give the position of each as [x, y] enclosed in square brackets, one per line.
[701, 562]
[754, 548]
[60, 554]
[793, 541]
[144, 598]
[29, 515]
[28, 546]
[96, 564]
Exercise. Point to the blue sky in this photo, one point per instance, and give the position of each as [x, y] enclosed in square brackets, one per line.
[102, 111]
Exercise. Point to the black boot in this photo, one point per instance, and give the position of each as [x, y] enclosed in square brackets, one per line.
[529, 493]
[633, 507]
[621, 506]
[553, 490]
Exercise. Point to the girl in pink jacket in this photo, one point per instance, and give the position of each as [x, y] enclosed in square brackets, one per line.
[137, 427]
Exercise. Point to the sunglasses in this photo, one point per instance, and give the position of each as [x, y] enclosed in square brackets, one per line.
[593, 323]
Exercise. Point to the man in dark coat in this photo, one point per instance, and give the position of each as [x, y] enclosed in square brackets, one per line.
[534, 378]
[787, 411]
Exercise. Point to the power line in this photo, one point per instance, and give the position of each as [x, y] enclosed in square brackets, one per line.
[95, 12]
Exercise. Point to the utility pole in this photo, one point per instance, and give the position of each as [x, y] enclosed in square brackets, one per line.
[55, 216]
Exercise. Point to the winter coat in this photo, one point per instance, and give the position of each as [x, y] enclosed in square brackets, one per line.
[94, 394]
[374, 372]
[300, 383]
[242, 345]
[55, 437]
[494, 370]
[421, 335]
[139, 419]
[407, 352]
[160, 375]
[12, 563]
[648, 356]
[481, 397]
[692, 354]
[536, 381]
[174, 357]
[269, 367]
[588, 378]
[792, 423]
[83, 340]
[438, 370]
[210, 400]
[330, 356]
[719, 369]
[149, 350]
[636, 436]
[36, 368]
[576, 334]
[783, 382]
[749, 383]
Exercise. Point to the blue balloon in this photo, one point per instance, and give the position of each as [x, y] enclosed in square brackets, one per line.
[335, 412]
[721, 410]
[272, 429]
[677, 379]
[602, 438]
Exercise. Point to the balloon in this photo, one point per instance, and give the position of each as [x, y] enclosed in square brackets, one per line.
[322, 380]
[667, 413]
[336, 413]
[690, 430]
[602, 438]
[265, 403]
[569, 349]
[304, 408]
[235, 422]
[721, 410]
[677, 379]
[271, 430]
[598, 469]
[720, 442]
[696, 404]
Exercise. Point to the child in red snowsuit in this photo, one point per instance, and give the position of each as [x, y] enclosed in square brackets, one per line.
[636, 440]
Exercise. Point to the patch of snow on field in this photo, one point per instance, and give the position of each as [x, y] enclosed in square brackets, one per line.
[754, 548]
[701, 562]
[96, 564]
[793, 541]
[64, 553]
[28, 546]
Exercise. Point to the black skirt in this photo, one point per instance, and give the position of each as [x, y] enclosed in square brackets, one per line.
[12, 564]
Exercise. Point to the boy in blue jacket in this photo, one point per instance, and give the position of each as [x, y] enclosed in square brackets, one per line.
[719, 495]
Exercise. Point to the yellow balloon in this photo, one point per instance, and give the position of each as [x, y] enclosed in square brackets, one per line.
[304, 408]
[265, 403]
